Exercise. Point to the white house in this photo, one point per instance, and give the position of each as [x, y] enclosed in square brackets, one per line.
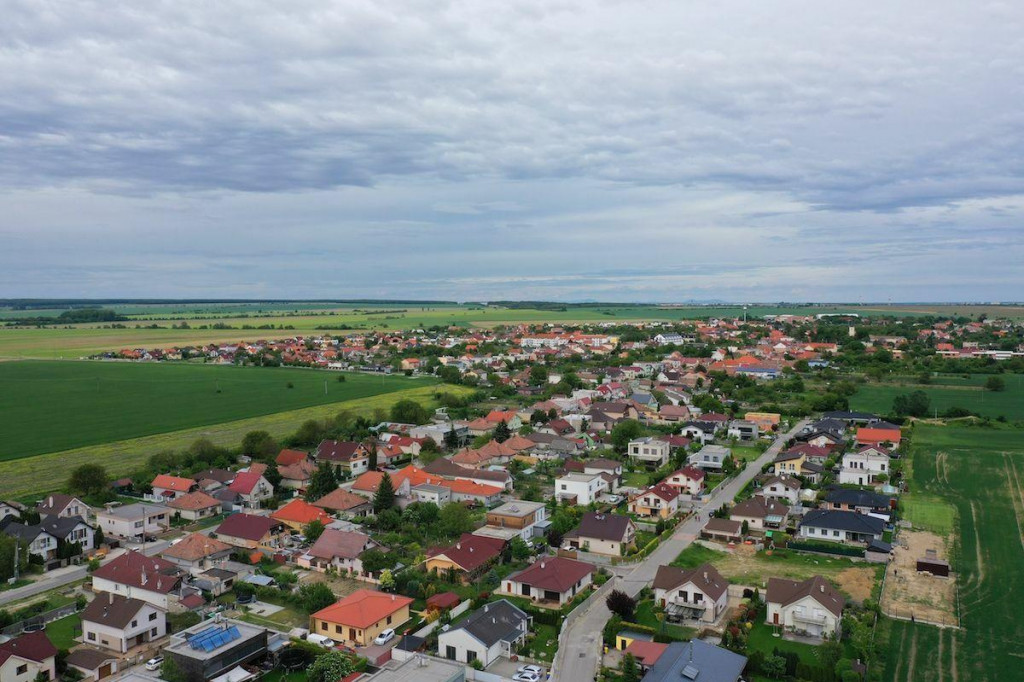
[585, 488]
[863, 466]
[697, 594]
[841, 526]
[493, 631]
[688, 480]
[549, 579]
[118, 623]
[151, 579]
[131, 521]
[785, 488]
[25, 657]
[812, 607]
[654, 453]
[710, 457]
[741, 429]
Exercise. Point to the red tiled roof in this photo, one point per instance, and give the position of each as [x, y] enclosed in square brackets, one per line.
[646, 653]
[34, 646]
[193, 501]
[300, 511]
[288, 457]
[246, 526]
[471, 551]
[557, 574]
[137, 570]
[244, 482]
[175, 483]
[363, 608]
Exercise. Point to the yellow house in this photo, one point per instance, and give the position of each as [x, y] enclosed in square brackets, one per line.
[789, 463]
[358, 618]
[627, 637]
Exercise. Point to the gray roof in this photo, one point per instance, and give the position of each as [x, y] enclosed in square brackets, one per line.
[696, 661]
[836, 519]
[858, 498]
[61, 527]
[603, 526]
[495, 622]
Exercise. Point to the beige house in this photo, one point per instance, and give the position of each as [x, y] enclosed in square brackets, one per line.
[357, 619]
[608, 534]
[812, 607]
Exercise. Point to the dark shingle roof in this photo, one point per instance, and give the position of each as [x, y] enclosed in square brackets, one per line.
[836, 519]
[782, 591]
[603, 526]
[495, 622]
[112, 609]
[705, 577]
[858, 498]
[705, 663]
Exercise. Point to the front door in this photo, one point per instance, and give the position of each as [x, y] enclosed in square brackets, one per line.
[775, 618]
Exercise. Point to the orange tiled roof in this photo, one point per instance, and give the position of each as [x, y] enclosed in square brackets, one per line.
[300, 511]
[363, 608]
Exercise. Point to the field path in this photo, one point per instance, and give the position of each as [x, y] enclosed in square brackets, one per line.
[1016, 496]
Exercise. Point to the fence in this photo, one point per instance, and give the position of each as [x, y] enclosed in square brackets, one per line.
[44, 617]
[457, 610]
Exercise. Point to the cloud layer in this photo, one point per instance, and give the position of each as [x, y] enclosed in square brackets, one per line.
[612, 150]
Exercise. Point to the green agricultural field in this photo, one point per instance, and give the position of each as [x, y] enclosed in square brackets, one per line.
[980, 472]
[288, 319]
[951, 392]
[52, 406]
[28, 477]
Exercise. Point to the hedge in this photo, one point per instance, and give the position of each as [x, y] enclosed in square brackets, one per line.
[825, 548]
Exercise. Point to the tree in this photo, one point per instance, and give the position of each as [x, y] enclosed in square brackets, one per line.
[310, 433]
[629, 669]
[624, 432]
[774, 666]
[502, 433]
[429, 452]
[387, 580]
[454, 520]
[374, 561]
[330, 667]
[538, 375]
[313, 530]
[259, 444]
[315, 596]
[170, 671]
[321, 482]
[519, 549]
[539, 417]
[7, 552]
[622, 604]
[384, 498]
[995, 383]
[913, 405]
[409, 412]
[371, 448]
[451, 439]
[88, 479]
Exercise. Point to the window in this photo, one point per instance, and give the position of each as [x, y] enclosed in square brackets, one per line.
[152, 633]
[91, 636]
[470, 655]
[152, 616]
[338, 629]
[21, 669]
[450, 653]
[135, 623]
[389, 620]
[323, 626]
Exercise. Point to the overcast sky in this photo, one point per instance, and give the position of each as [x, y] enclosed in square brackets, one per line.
[620, 150]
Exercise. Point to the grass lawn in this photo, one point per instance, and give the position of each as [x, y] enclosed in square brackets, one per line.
[951, 392]
[545, 643]
[29, 477]
[646, 615]
[51, 406]
[62, 631]
[761, 639]
[980, 472]
[635, 479]
[745, 453]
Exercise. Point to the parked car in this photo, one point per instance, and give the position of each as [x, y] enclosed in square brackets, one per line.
[385, 637]
[534, 669]
[526, 677]
[154, 663]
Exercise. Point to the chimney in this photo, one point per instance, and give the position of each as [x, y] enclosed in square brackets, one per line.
[393, 597]
[705, 576]
[458, 545]
[822, 588]
[111, 595]
[144, 576]
[50, 501]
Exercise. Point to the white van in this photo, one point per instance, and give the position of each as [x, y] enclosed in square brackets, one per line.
[325, 642]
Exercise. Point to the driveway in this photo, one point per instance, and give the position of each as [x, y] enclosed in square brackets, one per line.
[579, 654]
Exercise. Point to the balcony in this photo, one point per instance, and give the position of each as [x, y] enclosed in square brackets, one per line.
[801, 617]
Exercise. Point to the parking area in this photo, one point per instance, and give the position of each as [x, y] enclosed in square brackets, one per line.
[507, 668]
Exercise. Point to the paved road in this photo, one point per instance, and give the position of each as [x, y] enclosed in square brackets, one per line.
[67, 575]
[580, 656]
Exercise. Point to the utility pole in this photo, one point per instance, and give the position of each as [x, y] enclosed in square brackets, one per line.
[17, 557]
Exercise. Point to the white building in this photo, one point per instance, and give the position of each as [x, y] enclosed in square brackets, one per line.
[863, 466]
[112, 621]
[585, 488]
[698, 594]
[491, 632]
[654, 453]
[785, 488]
[131, 521]
[710, 457]
[812, 607]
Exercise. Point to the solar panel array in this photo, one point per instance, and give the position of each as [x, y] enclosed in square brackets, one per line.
[213, 637]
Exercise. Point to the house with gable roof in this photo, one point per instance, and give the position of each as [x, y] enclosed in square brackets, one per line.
[27, 656]
[812, 607]
[493, 631]
[660, 500]
[698, 594]
[549, 579]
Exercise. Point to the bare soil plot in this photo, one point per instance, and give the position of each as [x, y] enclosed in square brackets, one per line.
[909, 592]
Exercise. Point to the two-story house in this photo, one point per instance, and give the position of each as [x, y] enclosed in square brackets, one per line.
[864, 466]
[518, 515]
[688, 481]
[247, 531]
[580, 488]
[784, 488]
[119, 623]
[710, 457]
[649, 451]
[252, 488]
[760, 514]
[812, 607]
[64, 506]
[658, 501]
[698, 594]
[600, 533]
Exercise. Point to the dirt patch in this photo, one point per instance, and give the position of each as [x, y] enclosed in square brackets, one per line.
[744, 566]
[909, 593]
